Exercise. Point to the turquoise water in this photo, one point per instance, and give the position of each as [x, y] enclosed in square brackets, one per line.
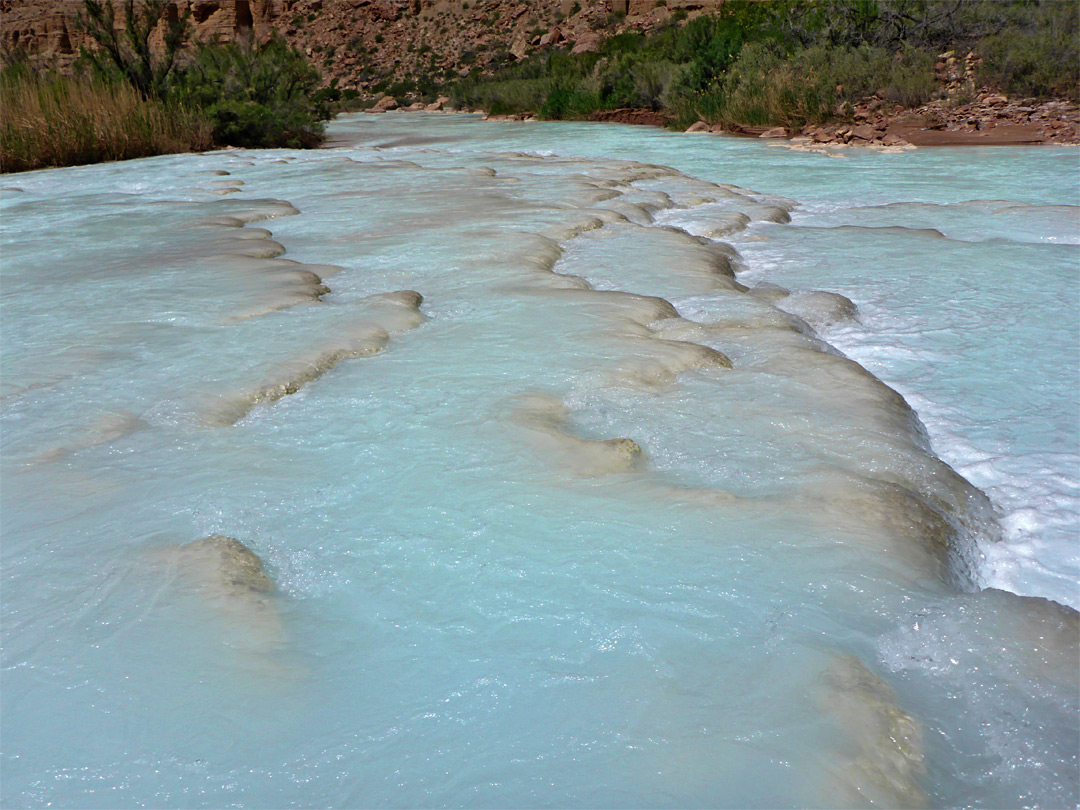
[782, 587]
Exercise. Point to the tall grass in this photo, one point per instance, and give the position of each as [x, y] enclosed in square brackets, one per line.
[809, 86]
[62, 121]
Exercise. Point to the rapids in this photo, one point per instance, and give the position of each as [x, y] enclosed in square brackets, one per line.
[554, 465]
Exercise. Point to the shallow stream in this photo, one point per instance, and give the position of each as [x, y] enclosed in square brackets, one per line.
[699, 473]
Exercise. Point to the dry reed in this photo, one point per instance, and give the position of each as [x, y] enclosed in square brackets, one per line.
[62, 121]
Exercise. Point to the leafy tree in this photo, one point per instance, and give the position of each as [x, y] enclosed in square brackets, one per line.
[128, 53]
[256, 96]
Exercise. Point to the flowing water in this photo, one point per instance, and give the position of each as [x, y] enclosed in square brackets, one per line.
[590, 466]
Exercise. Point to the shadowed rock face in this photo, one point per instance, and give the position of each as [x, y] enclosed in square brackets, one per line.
[47, 29]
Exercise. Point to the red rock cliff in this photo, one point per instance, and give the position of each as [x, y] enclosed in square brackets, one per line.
[360, 42]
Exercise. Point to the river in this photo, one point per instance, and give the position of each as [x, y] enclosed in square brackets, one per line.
[590, 465]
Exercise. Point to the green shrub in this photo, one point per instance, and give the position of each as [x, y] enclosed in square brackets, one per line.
[766, 87]
[565, 102]
[791, 62]
[261, 96]
[125, 53]
[1039, 55]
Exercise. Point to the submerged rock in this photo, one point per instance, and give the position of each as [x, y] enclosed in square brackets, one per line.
[230, 581]
[818, 308]
[546, 419]
[227, 564]
[882, 763]
[384, 314]
[652, 361]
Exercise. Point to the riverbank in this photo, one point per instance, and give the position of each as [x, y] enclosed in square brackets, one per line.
[991, 120]
[764, 69]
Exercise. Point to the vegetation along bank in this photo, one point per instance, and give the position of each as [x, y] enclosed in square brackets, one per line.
[268, 72]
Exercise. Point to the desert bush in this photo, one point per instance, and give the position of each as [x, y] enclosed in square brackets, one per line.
[511, 96]
[568, 102]
[782, 62]
[1038, 54]
[766, 87]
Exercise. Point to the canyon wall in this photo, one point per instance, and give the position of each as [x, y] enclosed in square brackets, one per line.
[360, 42]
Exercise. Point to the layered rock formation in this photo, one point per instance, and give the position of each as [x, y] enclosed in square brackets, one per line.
[48, 33]
[362, 42]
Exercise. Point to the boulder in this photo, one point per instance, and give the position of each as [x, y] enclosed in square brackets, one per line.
[700, 126]
[552, 37]
[229, 579]
[385, 103]
[863, 132]
[589, 41]
[774, 132]
[519, 47]
[228, 565]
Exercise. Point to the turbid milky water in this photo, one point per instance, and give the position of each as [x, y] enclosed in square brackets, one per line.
[589, 466]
